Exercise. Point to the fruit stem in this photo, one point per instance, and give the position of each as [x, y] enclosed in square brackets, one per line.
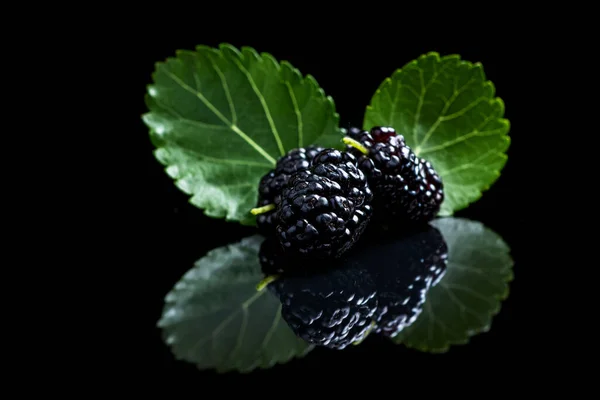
[369, 330]
[263, 209]
[351, 142]
[268, 279]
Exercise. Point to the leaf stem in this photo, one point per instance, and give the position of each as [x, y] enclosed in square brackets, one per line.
[263, 209]
[268, 279]
[351, 142]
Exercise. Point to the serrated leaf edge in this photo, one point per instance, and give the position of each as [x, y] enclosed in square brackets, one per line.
[500, 298]
[168, 302]
[436, 56]
[307, 79]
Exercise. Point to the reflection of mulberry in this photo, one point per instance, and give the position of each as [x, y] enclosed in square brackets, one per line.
[402, 288]
[380, 285]
[332, 310]
[273, 260]
[406, 188]
[271, 185]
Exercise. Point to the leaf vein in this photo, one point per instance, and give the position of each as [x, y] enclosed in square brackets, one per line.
[169, 109]
[439, 120]
[463, 111]
[298, 114]
[219, 115]
[235, 162]
[419, 105]
[272, 328]
[225, 89]
[460, 139]
[468, 290]
[464, 310]
[263, 103]
[241, 333]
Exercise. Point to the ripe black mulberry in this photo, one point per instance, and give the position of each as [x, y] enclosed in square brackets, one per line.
[271, 185]
[324, 210]
[406, 188]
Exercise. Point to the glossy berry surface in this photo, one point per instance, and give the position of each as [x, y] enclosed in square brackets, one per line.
[271, 185]
[406, 188]
[324, 210]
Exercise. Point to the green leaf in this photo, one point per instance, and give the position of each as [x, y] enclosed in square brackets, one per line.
[215, 318]
[466, 299]
[220, 118]
[448, 114]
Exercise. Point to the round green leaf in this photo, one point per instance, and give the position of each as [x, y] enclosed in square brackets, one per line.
[448, 114]
[466, 299]
[220, 118]
[214, 316]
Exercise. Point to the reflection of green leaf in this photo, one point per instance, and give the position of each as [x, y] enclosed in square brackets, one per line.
[215, 318]
[464, 302]
[448, 114]
[220, 118]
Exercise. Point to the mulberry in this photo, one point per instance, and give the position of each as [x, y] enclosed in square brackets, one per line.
[271, 185]
[406, 188]
[324, 210]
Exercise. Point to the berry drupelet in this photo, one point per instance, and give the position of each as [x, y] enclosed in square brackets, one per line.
[406, 188]
[324, 210]
[271, 185]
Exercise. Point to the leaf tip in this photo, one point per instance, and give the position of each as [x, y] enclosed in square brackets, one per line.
[157, 67]
[228, 47]
[200, 48]
[430, 55]
[451, 57]
[477, 68]
[410, 64]
[248, 51]
[330, 102]
[313, 82]
[489, 88]
[394, 75]
[288, 68]
[500, 104]
[179, 53]
[229, 51]
[268, 57]
[146, 116]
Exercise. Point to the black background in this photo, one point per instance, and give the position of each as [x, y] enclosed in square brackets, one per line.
[173, 234]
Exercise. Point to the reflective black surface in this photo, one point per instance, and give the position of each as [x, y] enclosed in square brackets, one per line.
[379, 286]
[427, 289]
